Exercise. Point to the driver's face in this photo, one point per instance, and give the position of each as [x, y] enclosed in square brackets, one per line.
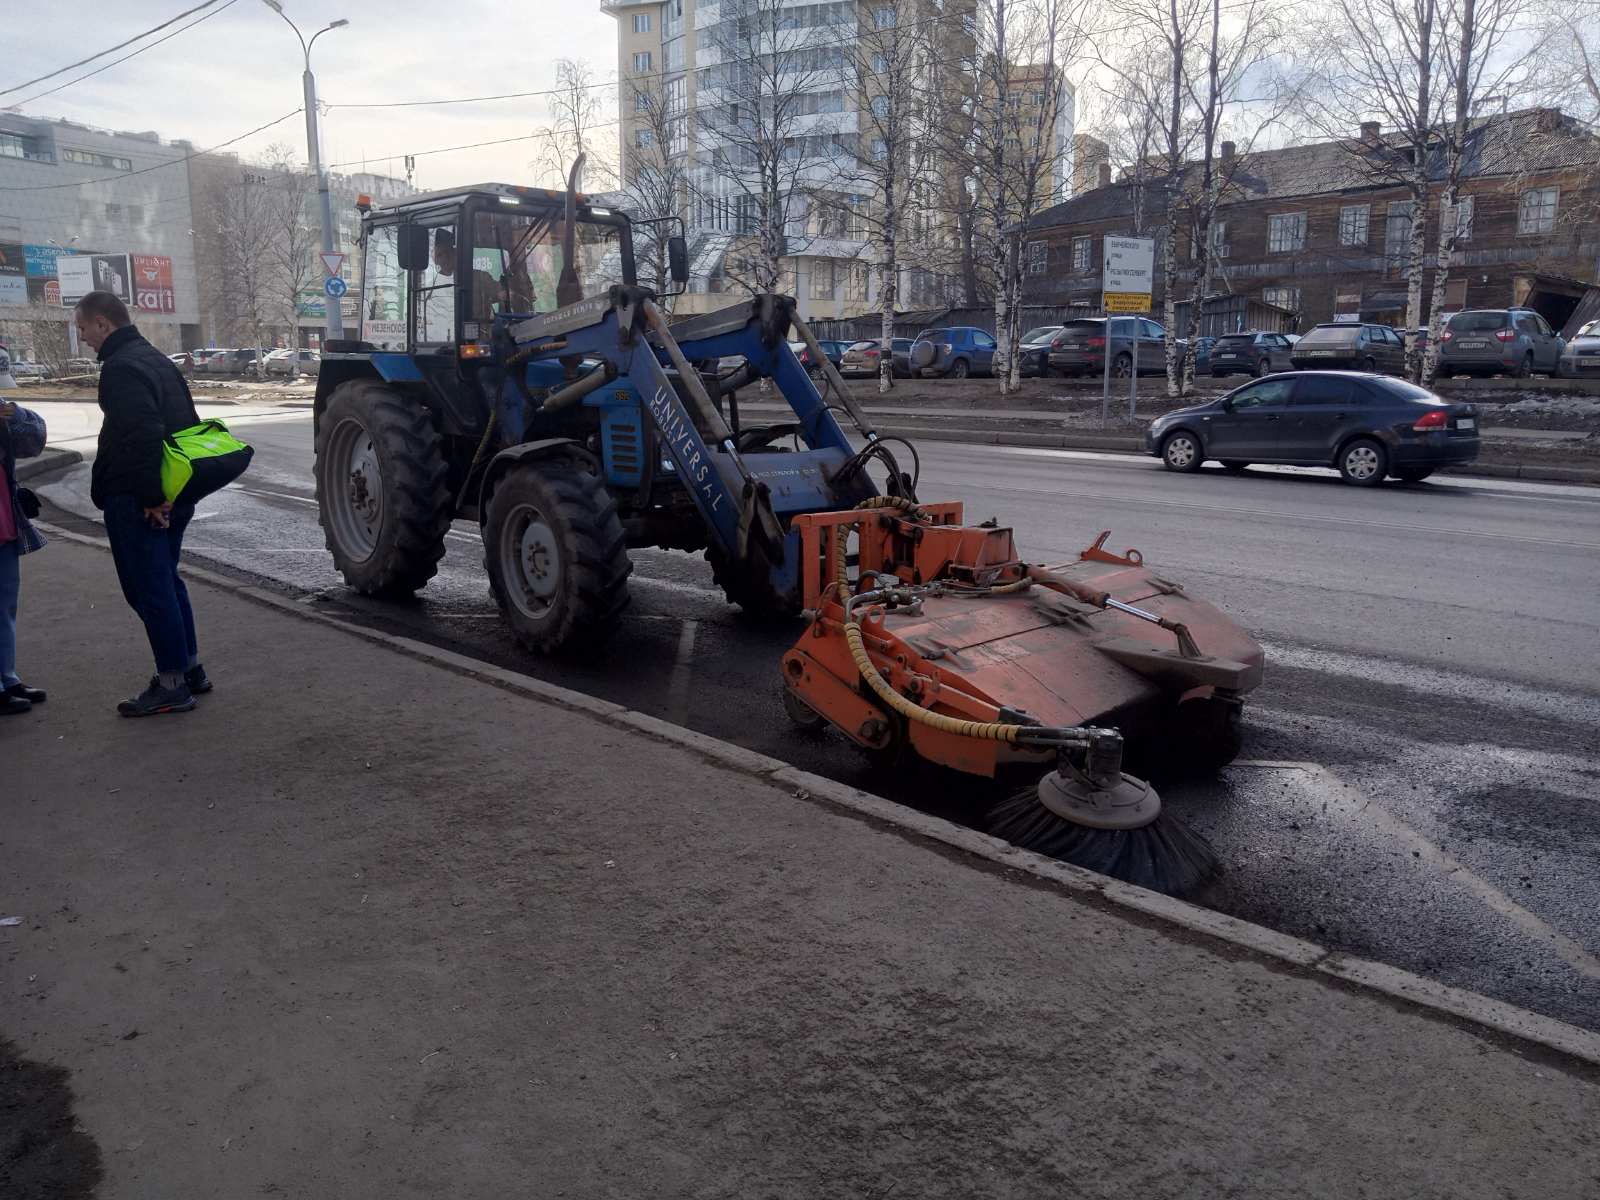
[444, 258]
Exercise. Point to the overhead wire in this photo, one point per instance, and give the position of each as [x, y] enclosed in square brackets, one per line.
[17, 87]
[114, 62]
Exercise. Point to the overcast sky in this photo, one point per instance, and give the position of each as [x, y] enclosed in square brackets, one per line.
[241, 68]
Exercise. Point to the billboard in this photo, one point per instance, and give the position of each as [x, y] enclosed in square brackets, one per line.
[312, 304]
[13, 275]
[81, 274]
[41, 260]
[152, 283]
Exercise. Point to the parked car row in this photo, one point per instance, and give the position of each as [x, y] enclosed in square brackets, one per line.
[1477, 342]
[247, 362]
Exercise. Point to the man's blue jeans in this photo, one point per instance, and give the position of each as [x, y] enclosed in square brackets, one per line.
[147, 568]
[10, 586]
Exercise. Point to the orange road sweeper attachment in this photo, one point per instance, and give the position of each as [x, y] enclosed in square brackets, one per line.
[946, 646]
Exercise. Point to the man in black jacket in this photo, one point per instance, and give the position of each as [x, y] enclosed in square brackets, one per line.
[144, 398]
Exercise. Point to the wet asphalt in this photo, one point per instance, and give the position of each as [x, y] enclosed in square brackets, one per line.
[1436, 647]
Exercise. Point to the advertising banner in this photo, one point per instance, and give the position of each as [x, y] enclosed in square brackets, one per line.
[84, 273]
[313, 305]
[41, 260]
[152, 279]
[13, 275]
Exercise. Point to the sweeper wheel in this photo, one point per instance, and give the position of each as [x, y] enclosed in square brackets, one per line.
[1211, 732]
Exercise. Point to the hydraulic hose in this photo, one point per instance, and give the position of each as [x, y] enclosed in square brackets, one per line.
[985, 731]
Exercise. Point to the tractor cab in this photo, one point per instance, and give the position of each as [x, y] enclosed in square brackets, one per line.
[438, 269]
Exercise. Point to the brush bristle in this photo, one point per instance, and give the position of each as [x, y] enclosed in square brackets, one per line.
[1165, 855]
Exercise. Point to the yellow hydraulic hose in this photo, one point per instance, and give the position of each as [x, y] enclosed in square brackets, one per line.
[984, 731]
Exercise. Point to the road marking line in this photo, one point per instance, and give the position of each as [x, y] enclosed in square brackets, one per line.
[682, 675]
[1356, 803]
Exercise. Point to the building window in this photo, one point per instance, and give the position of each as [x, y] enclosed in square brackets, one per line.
[641, 60]
[1537, 212]
[113, 212]
[822, 279]
[89, 159]
[1219, 239]
[641, 22]
[1282, 297]
[644, 138]
[855, 282]
[135, 213]
[1286, 233]
[880, 107]
[1397, 232]
[880, 64]
[883, 17]
[1082, 255]
[1464, 207]
[641, 101]
[1038, 256]
[671, 18]
[1354, 222]
[880, 150]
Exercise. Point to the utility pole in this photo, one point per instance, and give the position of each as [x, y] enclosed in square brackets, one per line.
[332, 304]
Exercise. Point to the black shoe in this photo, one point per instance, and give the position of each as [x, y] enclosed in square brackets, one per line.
[31, 695]
[155, 700]
[196, 679]
[13, 706]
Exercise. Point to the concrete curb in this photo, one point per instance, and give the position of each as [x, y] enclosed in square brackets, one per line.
[53, 459]
[1289, 952]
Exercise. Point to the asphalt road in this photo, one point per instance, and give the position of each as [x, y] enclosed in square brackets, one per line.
[1435, 646]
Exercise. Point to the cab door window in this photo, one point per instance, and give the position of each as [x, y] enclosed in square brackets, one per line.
[436, 289]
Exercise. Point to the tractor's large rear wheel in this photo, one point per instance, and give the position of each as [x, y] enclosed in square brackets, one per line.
[557, 557]
[382, 494]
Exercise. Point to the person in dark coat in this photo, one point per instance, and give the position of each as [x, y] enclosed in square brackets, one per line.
[144, 398]
[22, 435]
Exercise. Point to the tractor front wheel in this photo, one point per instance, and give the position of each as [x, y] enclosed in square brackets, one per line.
[382, 494]
[557, 557]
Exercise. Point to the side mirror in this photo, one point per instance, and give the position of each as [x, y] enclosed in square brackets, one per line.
[678, 258]
[412, 248]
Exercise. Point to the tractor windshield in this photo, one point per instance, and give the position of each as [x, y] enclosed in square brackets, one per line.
[517, 260]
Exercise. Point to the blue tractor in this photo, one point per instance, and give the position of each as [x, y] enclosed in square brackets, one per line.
[511, 370]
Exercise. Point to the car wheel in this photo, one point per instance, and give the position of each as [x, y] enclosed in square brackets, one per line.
[1122, 366]
[1181, 452]
[1369, 365]
[1264, 367]
[1234, 466]
[1364, 463]
[959, 369]
[1526, 368]
[1412, 474]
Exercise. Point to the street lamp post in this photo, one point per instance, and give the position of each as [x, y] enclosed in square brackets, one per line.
[333, 304]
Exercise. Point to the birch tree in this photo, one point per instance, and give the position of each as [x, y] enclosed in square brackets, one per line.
[293, 239]
[766, 143]
[578, 124]
[888, 68]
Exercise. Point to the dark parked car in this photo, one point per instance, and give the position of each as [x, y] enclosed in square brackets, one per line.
[959, 351]
[1202, 354]
[1250, 354]
[1033, 351]
[1581, 356]
[832, 350]
[1365, 426]
[1080, 347]
[1349, 345]
[862, 359]
[1493, 341]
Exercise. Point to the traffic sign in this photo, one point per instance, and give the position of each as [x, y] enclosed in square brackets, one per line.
[1130, 263]
[335, 286]
[331, 262]
[1127, 302]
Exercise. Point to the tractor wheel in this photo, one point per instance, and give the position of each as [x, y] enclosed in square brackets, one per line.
[1211, 734]
[757, 599]
[802, 715]
[382, 494]
[557, 558]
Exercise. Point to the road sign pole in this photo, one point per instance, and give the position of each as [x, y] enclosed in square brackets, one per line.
[1105, 383]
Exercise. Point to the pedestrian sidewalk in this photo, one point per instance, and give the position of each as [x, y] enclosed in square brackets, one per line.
[367, 926]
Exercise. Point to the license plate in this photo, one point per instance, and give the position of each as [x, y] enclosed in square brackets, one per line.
[1319, 353]
[1466, 423]
[1474, 345]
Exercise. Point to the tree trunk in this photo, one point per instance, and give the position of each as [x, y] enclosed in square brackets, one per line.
[886, 297]
[1449, 220]
[1002, 307]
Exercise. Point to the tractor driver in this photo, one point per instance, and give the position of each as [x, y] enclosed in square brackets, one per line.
[439, 293]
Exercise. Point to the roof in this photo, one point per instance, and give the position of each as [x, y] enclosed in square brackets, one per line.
[510, 191]
[1504, 144]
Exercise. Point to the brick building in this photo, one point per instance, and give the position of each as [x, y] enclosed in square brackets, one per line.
[1321, 230]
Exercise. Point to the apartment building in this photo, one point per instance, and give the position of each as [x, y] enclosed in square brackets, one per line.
[687, 69]
[1318, 231]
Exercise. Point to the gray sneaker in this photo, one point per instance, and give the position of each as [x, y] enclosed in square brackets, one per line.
[155, 700]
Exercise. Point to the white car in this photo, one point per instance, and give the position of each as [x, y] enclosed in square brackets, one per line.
[282, 362]
[22, 368]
